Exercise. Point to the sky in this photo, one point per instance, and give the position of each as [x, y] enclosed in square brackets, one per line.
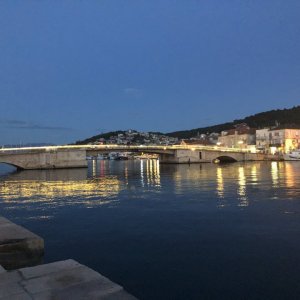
[73, 69]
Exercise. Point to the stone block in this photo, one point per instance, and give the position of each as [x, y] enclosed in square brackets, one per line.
[18, 246]
[121, 295]
[9, 277]
[60, 281]
[2, 270]
[80, 291]
[21, 296]
[11, 289]
[48, 269]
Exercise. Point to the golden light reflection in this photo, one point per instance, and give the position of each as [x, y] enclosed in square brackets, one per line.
[79, 192]
[242, 187]
[177, 177]
[152, 172]
[289, 175]
[254, 175]
[94, 167]
[246, 183]
[220, 183]
[274, 173]
[147, 172]
[142, 173]
[157, 171]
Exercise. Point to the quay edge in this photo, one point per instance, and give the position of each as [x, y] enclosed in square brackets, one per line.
[23, 277]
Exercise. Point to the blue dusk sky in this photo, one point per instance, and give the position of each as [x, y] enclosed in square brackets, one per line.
[73, 69]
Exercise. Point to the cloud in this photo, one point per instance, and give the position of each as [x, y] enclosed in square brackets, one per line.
[133, 92]
[20, 124]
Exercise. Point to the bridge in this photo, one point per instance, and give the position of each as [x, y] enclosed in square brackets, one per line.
[74, 156]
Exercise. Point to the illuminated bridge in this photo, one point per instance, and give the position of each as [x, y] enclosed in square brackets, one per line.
[74, 156]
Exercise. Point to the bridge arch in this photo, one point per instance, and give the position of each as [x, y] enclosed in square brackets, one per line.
[11, 164]
[224, 159]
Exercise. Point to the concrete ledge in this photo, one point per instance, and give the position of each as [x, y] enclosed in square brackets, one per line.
[2, 270]
[18, 246]
[60, 280]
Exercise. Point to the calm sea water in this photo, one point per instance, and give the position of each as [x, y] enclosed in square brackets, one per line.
[169, 231]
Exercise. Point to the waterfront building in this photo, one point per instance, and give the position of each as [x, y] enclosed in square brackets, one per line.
[242, 136]
[213, 137]
[284, 140]
[277, 140]
[209, 139]
[263, 139]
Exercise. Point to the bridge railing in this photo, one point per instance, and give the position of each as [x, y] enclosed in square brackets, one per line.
[160, 147]
[123, 148]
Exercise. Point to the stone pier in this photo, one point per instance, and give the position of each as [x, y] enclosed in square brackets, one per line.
[60, 281]
[2, 270]
[18, 246]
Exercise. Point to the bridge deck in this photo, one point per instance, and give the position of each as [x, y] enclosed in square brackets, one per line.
[119, 148]
[74, 156]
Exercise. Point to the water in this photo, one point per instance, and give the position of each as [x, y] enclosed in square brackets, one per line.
[169, 231]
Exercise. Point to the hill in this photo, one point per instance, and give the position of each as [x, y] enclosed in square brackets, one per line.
[273, 118]
[288, 118]
[137, 137]
[94, 138]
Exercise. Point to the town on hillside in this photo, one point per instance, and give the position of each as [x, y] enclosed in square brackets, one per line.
[272, 140]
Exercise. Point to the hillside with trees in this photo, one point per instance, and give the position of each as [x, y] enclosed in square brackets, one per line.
[137, 138]
[94, 138]
[288, 118]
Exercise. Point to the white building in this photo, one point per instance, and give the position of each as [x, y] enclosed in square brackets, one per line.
[263, 139]
[277, 140]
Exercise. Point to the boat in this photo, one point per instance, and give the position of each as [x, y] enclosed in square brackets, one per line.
[292, 155]
[121, 157]
[112, 155]
[101, 157]
[118, 156]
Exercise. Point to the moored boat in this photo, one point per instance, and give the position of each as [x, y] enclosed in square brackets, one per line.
[293, 155]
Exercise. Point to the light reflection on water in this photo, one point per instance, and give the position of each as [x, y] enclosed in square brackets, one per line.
[224, 227]
[103, 181]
